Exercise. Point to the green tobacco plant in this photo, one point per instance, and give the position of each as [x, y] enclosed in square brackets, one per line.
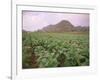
[40, 50]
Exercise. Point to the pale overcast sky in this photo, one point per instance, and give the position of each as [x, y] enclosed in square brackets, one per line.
[37, 20]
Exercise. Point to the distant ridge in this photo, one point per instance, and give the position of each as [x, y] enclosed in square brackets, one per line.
[64, 26]
[24, 30]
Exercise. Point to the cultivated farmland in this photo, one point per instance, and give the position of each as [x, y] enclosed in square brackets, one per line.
[52, 49]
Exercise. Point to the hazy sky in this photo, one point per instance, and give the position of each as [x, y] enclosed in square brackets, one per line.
[36, 20]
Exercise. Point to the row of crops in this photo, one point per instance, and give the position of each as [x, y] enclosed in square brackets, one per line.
[42, 50]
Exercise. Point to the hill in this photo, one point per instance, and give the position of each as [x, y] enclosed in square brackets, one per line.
[64, 26]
